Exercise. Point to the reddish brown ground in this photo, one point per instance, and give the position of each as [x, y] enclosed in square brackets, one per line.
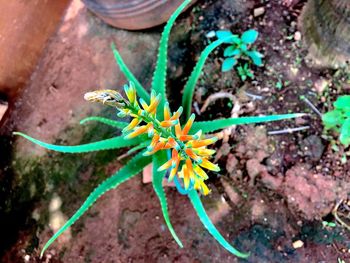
[275, 189]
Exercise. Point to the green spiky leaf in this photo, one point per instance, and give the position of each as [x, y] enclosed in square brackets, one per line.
[129, 75]
[159, 77]
[211, 126]
[133, 167]
[113, 123]
[108, 144]
[159, 159]
[192, 81]
[198, 207]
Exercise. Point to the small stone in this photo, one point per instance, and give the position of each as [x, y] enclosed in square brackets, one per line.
[259, 11]
[294, 71]
[298, 244]
[313, 147]
[211, 34]
[297, 36]
[3, 108]
[55, 203]
[320, 85]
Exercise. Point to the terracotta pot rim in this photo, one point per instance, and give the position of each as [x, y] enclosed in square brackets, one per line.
[134, 15]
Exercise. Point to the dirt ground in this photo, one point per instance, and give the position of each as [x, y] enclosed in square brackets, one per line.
[273, 196]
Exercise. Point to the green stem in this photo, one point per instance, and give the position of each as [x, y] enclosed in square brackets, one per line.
[156, 124]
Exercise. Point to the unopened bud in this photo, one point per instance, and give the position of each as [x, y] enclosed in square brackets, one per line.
[108, 97]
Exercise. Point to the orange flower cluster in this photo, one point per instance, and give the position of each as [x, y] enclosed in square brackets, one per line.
[189, 153]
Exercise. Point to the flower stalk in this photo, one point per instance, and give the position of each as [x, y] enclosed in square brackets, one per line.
[189, 153]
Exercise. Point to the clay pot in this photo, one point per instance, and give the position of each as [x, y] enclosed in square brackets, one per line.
[133, 14]
[25, 27]
[325, 25]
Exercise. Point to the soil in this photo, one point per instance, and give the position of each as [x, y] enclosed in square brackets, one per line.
[275, 192]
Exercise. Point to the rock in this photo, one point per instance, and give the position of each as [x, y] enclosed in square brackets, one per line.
[211, 34]
[261, 155]
[311, 195]
[290, 3]
[255, 141]
[259, 11]
[3, 108]
[231, 163]
[235, 198]
[297, 36]
[320, 85]
[254, 168]
[271, 182]
[298, 244]
[294, 71]
[312, 146]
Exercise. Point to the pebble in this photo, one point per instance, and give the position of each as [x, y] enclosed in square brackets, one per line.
[211, 34]
[3, 109]
[320, 85]
[259, 11]
[313, 147]
[298, 244]
[297, 36]
[55, 203]
[294, 71]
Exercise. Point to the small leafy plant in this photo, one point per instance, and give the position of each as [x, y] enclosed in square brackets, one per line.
[339, 119]
[244, 72]
[178, 152]
[240, 47]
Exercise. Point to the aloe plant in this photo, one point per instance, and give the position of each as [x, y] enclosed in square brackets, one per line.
[160, 138]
